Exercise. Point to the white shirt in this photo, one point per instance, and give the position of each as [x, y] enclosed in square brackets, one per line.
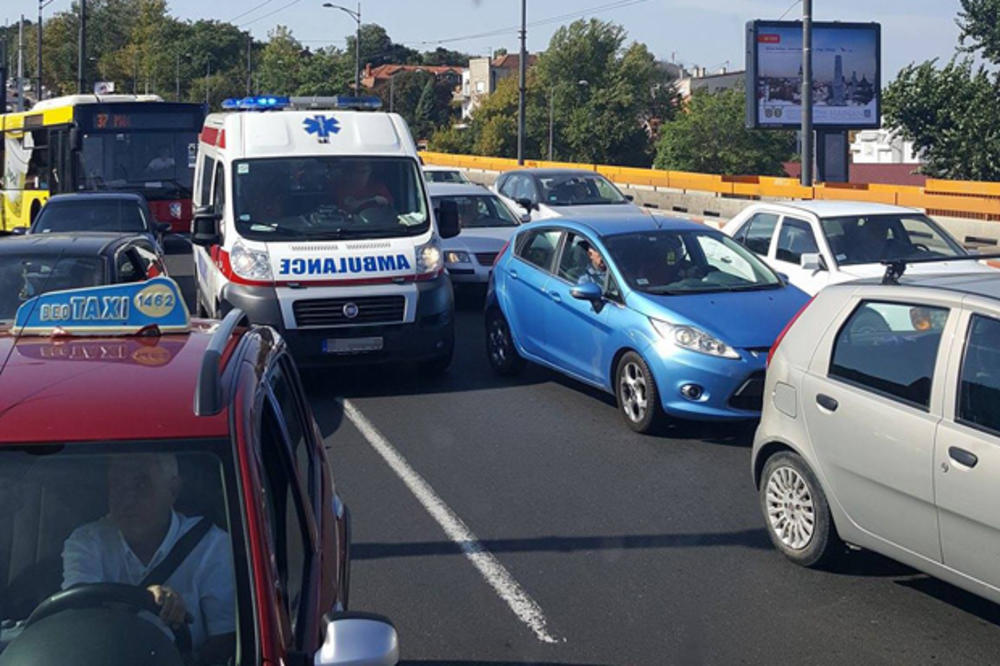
[98, 553]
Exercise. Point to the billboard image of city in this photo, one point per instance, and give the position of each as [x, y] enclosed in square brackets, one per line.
[845, 74]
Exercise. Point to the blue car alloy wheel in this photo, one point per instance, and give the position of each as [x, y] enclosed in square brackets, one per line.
[500, 347]
[638, 398]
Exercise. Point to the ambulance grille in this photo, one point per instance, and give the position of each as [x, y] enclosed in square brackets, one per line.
[331, 311]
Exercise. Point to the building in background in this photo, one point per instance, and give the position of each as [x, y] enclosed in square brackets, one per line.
[699, 79]
[483, 76]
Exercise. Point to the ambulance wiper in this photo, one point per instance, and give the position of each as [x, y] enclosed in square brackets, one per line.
[351, 233]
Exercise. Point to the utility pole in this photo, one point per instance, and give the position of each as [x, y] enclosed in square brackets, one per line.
[551, 119]
[807, 106]
[208, 76]
[81, 62]
[3, 75]
[522, 75]
[356, 15]
[177, 76]
[20, 64]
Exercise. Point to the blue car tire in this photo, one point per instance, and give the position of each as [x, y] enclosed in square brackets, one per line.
[637, 395]
[500, 349]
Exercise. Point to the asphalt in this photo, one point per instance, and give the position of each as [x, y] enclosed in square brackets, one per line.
[635, 549]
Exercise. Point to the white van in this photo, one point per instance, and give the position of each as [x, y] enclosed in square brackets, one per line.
[317, 222]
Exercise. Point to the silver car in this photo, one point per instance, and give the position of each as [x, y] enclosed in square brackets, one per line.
[881, 427]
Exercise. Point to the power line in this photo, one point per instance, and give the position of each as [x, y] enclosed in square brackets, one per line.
[264, 16]
[789, 9]
[250, 11]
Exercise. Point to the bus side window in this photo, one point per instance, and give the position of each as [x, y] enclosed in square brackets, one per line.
[38, 164]
[205, 170]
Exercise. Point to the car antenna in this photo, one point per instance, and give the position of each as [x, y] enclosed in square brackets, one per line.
[894, 268]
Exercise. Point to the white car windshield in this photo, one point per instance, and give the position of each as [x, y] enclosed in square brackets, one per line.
[571, 189]
[480, 211]
[866, 239]
[328, 198]
[683, 262]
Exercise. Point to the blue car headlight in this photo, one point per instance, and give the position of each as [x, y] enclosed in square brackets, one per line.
[693, 339]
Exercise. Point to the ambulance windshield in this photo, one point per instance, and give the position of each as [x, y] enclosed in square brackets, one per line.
[328, 198]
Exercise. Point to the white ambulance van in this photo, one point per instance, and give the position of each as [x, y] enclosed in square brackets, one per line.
[314, 219]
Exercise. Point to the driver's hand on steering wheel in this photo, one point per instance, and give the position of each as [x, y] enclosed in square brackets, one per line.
[357, 203]
[172, 609]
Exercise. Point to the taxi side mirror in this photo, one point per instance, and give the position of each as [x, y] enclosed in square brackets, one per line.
[447, 219]
[358, 638]
[205, 227]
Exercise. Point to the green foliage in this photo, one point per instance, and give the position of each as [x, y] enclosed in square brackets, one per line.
[951, 114]
[711, 137]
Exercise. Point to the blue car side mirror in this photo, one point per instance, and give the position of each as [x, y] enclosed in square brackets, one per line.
[588, 291]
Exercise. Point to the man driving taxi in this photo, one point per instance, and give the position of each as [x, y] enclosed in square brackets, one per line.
[138, 534]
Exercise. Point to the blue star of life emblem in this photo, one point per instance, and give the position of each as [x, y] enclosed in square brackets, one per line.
[322, 127]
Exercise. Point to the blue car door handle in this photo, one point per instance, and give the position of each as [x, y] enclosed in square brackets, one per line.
[555, 296]
[513, 274]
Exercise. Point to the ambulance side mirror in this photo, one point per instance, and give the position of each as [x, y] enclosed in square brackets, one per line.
[205, 227]
[447, 219]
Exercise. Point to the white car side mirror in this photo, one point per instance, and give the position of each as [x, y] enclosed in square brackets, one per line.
[358, 639]
[525, 218]
[812, 261]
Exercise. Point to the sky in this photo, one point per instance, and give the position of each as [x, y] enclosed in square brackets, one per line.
[709, 33]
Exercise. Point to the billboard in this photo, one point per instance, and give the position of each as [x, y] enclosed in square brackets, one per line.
[847, 76]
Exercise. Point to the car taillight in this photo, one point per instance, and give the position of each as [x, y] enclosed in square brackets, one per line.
[501, 253]
[781, 336]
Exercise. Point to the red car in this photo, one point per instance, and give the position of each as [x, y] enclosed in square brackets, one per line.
[165, 497]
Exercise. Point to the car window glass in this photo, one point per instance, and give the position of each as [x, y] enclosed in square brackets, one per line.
[979, 381]
[289, 401]
[25, 276]
[91, 215]
[540, 248]
[478, 211]
[507, 186]
[572, 189]
[890, 348]
[128, 268]
[758, 232]
[286, 525]
[795, 239]
[205, 187]
[219, 193]
[864, 239]
[722, 257]
[576, 265]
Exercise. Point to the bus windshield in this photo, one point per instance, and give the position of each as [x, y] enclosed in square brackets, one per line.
[328, 198]
[158, 163]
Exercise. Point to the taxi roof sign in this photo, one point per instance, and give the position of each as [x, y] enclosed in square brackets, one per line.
[118, 309]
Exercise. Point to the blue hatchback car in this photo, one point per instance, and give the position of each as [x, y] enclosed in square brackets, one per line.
[673, 317]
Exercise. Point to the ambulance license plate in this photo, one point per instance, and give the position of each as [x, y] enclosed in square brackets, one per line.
[352, 345]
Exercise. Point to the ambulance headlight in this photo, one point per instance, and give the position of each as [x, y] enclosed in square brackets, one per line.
[429, 258]
[250, 264]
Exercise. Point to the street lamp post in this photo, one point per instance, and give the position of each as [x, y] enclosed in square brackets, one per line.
[81, 62]
[356, 15]
[177, 74]
[38, 68]
[807, 110]
[208, 76]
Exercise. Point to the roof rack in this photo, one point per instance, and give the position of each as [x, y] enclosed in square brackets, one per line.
[208, 398]
[894, 268]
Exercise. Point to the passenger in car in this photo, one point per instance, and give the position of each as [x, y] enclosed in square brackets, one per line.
[140, 532]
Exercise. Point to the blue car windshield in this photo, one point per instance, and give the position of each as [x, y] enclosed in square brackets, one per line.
[683, 262]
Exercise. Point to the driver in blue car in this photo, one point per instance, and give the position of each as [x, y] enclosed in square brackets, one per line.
[185, 562]
[596, 271]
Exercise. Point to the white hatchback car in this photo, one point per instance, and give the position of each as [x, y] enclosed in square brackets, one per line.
[487, 224]
[817, 243]
[881, 427]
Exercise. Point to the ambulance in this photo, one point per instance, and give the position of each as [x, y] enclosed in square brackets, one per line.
[312, 216]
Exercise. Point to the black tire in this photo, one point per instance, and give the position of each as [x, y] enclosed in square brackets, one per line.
[787, 510]
[500, 349]
[637, 395]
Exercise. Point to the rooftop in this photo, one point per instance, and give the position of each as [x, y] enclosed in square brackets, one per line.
[104, 388]
[842, 208]
[73, 243]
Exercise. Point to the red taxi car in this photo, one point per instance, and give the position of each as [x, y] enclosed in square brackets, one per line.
[165, 497]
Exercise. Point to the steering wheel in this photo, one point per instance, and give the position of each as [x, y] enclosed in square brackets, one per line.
[91, 595]
[365, 204]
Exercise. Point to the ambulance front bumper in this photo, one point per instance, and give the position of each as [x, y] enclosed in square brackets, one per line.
[430, 334]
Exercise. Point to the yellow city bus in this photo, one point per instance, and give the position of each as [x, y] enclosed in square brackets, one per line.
[133, 143]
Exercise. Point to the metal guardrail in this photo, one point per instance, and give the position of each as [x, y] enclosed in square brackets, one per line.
[966, 199]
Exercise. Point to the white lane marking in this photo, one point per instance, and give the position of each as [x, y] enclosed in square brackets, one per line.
[508, 589]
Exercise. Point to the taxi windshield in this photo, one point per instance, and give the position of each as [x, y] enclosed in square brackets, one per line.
[328, 198]
[24, 276]
[685, 262]
[480, 211]
[865, 239]
[79, 516]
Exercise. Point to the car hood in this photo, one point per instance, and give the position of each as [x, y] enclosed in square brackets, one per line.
[877, 270]
[598, 210]
[742, 319]
[484, 239]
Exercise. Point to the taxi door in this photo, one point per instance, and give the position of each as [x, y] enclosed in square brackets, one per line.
[577, 332]
[967, 452]
[286, 533]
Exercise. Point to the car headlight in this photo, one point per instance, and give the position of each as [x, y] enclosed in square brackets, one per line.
[250, 264]
[456, 257]
[693, 339]
[429, 258]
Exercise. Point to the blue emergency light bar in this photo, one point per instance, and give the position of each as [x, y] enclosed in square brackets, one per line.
[256, 103]
[118, 309]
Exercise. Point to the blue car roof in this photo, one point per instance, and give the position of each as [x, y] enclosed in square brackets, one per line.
[106, 196]
[622, 225]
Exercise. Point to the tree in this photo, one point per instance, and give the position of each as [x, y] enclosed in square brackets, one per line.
[281, 63]
[711, 137]
[951, 113]
[424, 114]
[443, 56]
[378, 49]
